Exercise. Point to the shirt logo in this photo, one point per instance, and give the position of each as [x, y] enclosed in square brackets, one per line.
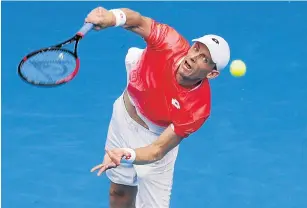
[175, 103]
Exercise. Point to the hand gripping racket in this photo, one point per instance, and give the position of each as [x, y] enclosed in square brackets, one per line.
[54, 65]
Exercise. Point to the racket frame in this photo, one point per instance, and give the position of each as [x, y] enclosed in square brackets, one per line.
[78, 36]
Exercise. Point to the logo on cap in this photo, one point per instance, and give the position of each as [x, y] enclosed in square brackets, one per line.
[216, 41]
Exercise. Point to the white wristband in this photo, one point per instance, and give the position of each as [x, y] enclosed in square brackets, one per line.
[129, 160]
[120, 17]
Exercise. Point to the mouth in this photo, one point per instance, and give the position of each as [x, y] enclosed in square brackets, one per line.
[187, 67]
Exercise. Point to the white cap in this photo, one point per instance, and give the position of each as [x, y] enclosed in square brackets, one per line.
[218, 48]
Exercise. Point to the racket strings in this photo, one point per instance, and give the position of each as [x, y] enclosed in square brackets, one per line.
[49, 66]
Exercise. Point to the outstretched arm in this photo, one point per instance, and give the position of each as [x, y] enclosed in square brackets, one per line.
[127, 18]
[140, 156]
[158, 149]
[168, 140]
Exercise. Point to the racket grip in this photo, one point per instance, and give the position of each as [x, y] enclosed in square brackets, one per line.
[86, 27]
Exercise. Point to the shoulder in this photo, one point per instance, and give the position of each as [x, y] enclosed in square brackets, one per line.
[164, 35]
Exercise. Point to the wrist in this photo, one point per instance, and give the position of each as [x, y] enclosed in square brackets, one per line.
[112, 19]
[118, 17]
[128, 160]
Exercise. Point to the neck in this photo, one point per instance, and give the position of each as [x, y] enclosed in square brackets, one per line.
[189, 84]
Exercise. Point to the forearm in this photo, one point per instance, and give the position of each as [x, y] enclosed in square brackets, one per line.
[158, 149]
[148, 154]
[135, 22]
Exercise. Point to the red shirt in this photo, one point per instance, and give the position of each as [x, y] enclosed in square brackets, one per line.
[155, 91]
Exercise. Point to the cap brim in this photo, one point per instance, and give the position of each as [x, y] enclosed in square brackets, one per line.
[211, 51]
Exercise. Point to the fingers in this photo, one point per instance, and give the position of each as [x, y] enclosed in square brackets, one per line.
[97, 167]
[114, 157]
[101, 10]
[117, 155]
[95, 15]
[97, 28]
[103, 167]
[92, 17]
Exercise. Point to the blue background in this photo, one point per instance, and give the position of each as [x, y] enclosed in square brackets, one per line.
[251, 152]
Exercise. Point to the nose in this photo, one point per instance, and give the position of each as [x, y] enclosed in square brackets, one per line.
[193, 58]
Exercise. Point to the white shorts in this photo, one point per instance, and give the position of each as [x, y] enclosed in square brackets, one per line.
[154, 180]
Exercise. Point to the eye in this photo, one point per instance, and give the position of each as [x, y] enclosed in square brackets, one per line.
[205, 60]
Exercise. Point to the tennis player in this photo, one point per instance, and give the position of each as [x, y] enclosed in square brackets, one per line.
[167, 99]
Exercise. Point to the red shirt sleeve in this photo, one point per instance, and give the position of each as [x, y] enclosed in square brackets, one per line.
[162, 36]
[194, 112]
[185, 129]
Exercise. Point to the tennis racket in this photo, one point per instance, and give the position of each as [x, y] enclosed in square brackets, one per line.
[55, 65]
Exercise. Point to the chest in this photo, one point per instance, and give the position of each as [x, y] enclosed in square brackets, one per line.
[157, 96]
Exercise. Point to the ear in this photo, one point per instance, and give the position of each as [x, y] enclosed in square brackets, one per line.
[213, 74]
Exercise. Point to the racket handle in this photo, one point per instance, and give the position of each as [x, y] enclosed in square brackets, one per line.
[86, 27]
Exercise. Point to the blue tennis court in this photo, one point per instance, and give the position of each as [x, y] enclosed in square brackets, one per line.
[251, 152]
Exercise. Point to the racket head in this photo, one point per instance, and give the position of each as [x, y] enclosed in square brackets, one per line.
[51, 66]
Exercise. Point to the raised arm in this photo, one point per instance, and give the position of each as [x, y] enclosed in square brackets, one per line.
[127, 18]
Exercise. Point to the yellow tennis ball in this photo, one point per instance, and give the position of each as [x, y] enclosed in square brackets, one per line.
[237, 68]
